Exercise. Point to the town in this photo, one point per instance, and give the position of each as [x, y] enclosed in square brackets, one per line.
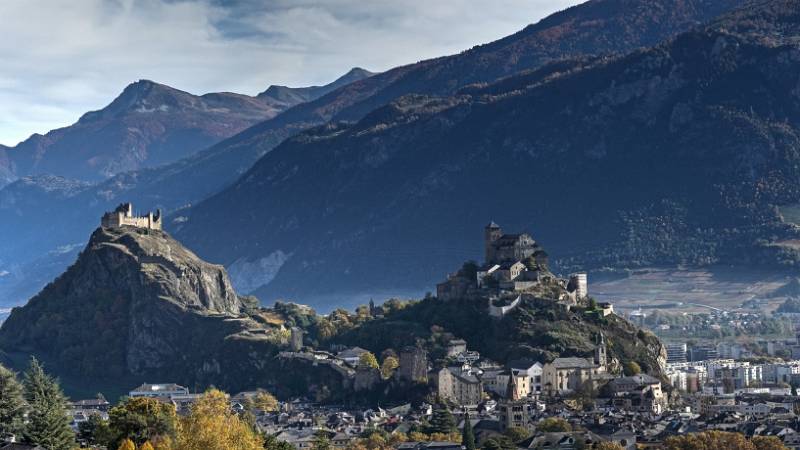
[464, 399]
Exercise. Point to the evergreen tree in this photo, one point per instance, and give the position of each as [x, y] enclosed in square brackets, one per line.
[48, 424]
[467, 434]
[12, 404]
[442, 420]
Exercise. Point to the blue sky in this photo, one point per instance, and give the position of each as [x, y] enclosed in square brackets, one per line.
[63, 58]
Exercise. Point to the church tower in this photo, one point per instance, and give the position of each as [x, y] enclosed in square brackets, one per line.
[600, 357]
[491, 233]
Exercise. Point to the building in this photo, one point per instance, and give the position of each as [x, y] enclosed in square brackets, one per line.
[676, 353]
[456, 346]
[460, 385]
[352, 355]
[703, 353]
[504, 248]
[165, 391]
[516, 410]
[579, 284]
[638, 393]
[414, 365]
[123, 217]
[296, 339]
[565, 375]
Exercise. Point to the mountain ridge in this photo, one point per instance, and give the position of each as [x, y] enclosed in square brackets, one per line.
[701, 187]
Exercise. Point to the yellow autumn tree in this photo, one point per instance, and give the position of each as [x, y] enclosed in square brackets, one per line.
[265, 401]
[608, 446]
[146, 446]
[721, 440]
[211, 425]
[127, 444]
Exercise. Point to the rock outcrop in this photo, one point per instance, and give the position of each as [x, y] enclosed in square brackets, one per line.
[135, 302]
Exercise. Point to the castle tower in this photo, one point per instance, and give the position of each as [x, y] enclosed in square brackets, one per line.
[491, 233]
[600, 356]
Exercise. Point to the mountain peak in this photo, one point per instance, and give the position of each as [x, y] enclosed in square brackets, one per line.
[285, 94]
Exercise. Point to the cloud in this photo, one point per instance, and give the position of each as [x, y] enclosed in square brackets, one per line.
[63, 58]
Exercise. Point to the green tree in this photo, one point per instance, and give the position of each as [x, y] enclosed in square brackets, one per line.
[554, 425]
[468, 434]
[442, 420]
[140, 420]
[272, 443]
[321, 441]
[12, 404]
[499, 443]
[368, 359]
[631, 368]
[48, 424]
[517, 434]
[388, 367]
[94, 431]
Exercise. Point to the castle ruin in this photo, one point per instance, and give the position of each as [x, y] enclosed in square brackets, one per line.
[123, 216]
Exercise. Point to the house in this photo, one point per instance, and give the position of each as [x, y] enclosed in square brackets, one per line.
[530, 373]
[516, 411]
[19, 446]
[460, 385]
[572, 440]
[165, 391]
[352, 355]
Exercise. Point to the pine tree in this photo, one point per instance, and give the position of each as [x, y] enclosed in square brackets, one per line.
[48, 424]
[468, 435]
[442, 420]
[12, 404]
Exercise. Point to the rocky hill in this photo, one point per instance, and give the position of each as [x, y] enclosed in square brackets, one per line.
[138, 306]
[678, 154]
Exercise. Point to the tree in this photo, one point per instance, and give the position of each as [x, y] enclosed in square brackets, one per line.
[140, 420]
[517, 434]
[265, 401]
[12, 404]
[368, 359]
[127, 444]
[146, 446]
[388, 367]
[468, 434]
[48, 424]
[554, 425]
[499, 443]
[608, 446]
[212, 425]
[94, 431]
[767, 443]
[442, 420]
[721, 439]
[321, 441]
[272, 443]
[631, 368]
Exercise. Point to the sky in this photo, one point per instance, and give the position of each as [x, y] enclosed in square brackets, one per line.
[63, 58]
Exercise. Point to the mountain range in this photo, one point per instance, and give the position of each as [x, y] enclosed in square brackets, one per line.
[573, 40]
[679, 154]
[147, 125]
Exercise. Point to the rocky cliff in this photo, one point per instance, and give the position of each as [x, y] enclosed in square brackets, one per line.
[135, 302]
